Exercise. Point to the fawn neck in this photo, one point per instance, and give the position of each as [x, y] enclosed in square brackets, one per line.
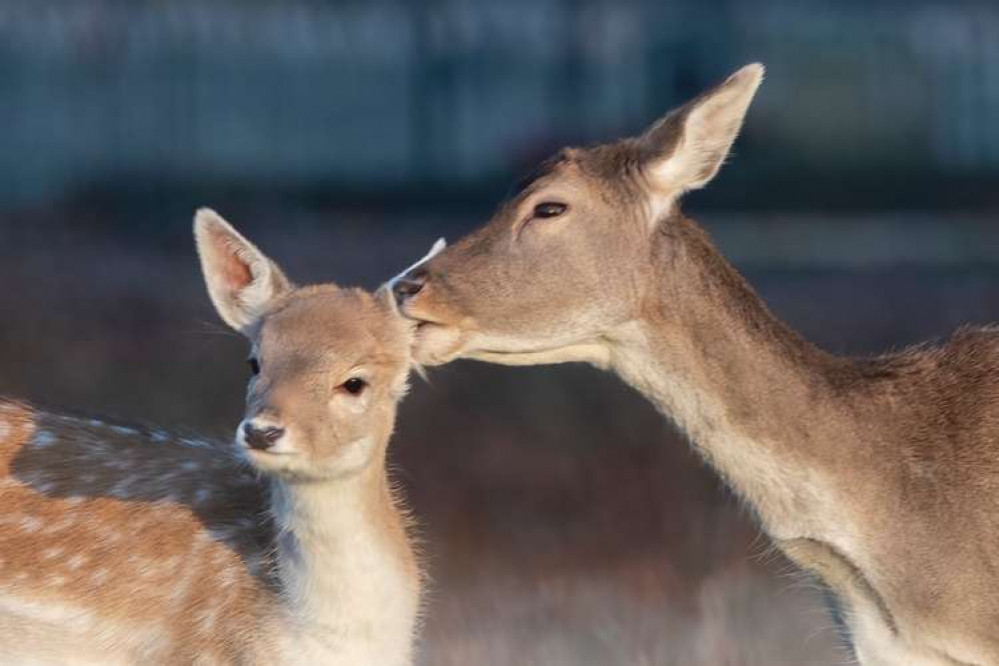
[745, 388]
[343, 557]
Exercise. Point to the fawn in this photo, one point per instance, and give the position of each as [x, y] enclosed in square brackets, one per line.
[880, 475]
[130, 545]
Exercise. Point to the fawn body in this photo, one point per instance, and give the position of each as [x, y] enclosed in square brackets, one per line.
[879, 475]
[134, 546]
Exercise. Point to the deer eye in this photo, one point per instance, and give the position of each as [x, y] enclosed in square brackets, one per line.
[354, 385]
[254, 365]
[549, 209]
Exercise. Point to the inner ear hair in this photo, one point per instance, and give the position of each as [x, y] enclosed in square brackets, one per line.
[241, 280]
[685, 149]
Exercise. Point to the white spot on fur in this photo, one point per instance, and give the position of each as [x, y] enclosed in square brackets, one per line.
[30, 524]
[124, 430]
[49, 613]
[51, 553]
[43, 438]
[246, 523]
[206, 620]
[121, 489]
[227, 577]
[178, 593]
[60, 525]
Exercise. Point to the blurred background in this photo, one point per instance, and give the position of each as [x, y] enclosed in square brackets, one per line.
[564, 521]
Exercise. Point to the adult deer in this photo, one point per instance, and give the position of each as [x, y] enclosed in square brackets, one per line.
[879, 475]
[123, 545]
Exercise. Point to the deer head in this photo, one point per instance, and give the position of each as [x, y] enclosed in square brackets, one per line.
[327, 365]
[571, 256]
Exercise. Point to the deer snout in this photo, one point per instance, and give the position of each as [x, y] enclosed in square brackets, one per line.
[409, 284]
[260, 438]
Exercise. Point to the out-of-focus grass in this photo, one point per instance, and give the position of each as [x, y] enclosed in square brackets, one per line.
[735, 618]
[564, 521]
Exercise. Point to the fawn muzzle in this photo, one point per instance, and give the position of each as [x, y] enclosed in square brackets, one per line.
[261, 439]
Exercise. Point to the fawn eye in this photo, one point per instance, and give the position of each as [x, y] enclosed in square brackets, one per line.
[354, 385]
[549, 209]
[254, 365]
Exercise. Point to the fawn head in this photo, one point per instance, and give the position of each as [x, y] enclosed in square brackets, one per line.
[328, 365]
[571, 255]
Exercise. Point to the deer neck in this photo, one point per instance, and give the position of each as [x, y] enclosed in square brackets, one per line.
[745, 388]
[345, 567]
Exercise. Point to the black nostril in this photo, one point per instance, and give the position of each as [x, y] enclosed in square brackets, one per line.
[261, 438]
[410, 284]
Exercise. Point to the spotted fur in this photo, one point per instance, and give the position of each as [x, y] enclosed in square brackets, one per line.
[131, 545]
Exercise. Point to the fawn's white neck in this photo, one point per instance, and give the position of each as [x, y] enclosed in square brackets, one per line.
[346, 573]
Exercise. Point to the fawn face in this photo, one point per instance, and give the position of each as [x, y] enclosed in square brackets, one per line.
[570, 256]
[328, 365]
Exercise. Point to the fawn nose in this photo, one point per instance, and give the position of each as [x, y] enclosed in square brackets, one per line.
[261, 439]
[409, 284]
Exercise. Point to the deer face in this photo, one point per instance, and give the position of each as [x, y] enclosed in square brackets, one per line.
[543, 274]
[328, 365]
[569, 258]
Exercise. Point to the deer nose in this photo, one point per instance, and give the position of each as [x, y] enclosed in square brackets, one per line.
[409, 284]
[261, 439]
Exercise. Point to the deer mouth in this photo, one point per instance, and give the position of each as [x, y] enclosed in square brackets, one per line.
[436, 342]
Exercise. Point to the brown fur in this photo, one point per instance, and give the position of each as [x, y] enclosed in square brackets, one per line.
[879, 475]
[106, 517]
[122, 544]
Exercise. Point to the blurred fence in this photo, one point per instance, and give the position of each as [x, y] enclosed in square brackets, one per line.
[391, 94]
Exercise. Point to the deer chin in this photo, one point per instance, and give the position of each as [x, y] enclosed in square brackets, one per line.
[436, 340]
[593, 353]
[437, 344]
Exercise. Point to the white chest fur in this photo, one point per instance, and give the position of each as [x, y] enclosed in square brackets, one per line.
[349, 596]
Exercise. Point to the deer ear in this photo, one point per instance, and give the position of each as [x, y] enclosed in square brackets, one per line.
[241, 280]
[684, 150]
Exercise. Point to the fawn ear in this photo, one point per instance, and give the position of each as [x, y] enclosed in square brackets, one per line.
[684, 150]
[241, 280]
